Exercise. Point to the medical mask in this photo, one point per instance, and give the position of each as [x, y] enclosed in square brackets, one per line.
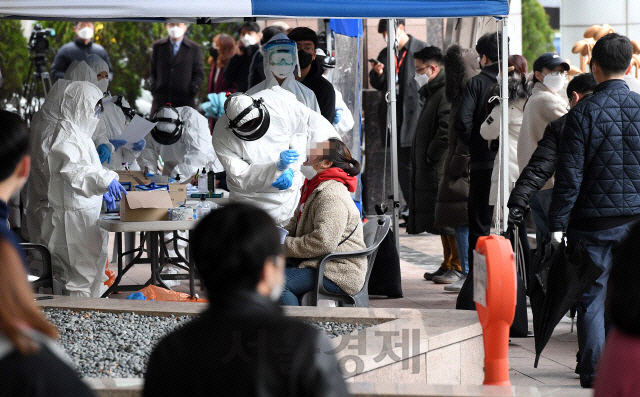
[421, 79]
[103, 84]
[308, 171]
[85, 33]
[554, 82]
[176, 32]
[282, 71]
[248, 40]
[305, 59]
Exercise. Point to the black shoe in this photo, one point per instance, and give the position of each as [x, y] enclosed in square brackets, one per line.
[430, 276]
[586, 381]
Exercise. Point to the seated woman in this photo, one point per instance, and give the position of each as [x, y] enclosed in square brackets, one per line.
[327, 221]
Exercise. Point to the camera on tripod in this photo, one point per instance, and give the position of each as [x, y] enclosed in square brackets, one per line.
[38, 45]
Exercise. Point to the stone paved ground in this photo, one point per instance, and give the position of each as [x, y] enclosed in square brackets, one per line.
[420, 253]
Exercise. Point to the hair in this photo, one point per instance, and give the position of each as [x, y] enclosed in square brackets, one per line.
[488, 45]
[623, 294]
[17, 306]
[582, 84]
[613, 53]
[269, 32]
[14, 142]
[340, 155]
[231, 245]
[77, 22]
[250, 26]
[517, 85]
[432, 53]
[302, 33]
[382, 25]
[460, 64]
[226, 49]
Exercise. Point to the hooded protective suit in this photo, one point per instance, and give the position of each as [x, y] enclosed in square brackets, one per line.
[186, 156]
[251, 165]
[99, 65]
[77, 244]
[302, 93]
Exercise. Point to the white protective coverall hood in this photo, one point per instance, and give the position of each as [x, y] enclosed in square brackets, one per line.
[251, 165]
[112, 123]
[302, 93]
[189, 154]
[99, 65]
[77, 244]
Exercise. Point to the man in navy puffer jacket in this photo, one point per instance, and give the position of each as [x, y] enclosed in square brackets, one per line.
[596, 197]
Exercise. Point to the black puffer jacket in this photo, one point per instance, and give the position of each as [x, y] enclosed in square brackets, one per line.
[541, 166]
[598, 174]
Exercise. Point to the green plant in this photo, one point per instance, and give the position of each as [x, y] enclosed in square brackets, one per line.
[537, 35]
[14, 61]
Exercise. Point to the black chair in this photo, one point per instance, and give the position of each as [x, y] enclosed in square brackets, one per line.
[46, 280]
[374, 232]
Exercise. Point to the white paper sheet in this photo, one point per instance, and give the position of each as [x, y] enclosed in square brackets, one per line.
[137, 129]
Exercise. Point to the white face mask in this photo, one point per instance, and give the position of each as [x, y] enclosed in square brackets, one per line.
[85, 33]
[282, 71]
[554, 82]
[176, 32]
[103, 84]
[248, 40]
[421, 79]
[308, 171]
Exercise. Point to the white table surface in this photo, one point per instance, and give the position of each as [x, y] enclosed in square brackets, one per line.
[118, 226]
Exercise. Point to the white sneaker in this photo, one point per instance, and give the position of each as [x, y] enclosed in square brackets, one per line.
[456, 286]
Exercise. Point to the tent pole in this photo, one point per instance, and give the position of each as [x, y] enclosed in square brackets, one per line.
[504, 133]
[391, 84]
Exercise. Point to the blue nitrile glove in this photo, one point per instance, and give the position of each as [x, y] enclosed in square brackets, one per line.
[104, 153]
[287, 157]
[138, 296]
[138, 146]
[116, 189]
[111, 203]
[338, 116]
[172, 180]
[149, 174]
[284, 181]
[117, 143]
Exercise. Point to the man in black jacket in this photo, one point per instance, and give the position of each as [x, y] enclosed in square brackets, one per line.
[78, 50]
[238, 68]
[596, 195]
[242, 345]
[311, 71]
[177, 70]
[542, 164]
[471, 114]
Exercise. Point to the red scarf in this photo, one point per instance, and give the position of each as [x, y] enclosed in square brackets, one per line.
[333, 173]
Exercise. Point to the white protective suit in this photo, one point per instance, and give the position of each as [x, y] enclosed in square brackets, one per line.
[302, 93]
[345, 125]
[189, 154]
[251, 165]
[77, 244]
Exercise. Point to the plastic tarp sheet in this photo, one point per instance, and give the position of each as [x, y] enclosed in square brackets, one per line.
[192, 9]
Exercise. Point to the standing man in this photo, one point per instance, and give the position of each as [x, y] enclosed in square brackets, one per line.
[408, 100]
[596, 195]
[471, 114]
[238, 69]
[78, 50]
[177, 71]
[311, 71]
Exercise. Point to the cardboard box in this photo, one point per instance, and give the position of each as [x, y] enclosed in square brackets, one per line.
[145, 206]
[134, 177]
[178, 193]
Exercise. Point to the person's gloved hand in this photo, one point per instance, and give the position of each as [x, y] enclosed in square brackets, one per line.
[287, 157]
[284, 181]
[111, 203]
[149, 174]
[117, 143]
[338, 116]
[516, 216]
[138, 146]
[116, 189]
[172, 180]
[104, 153]
[556, 238]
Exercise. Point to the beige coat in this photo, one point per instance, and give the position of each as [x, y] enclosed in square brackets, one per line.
[542, 108]
[328, 217]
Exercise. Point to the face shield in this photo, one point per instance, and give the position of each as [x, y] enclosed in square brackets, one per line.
[280, 57]
[248, 117]
[167, 131]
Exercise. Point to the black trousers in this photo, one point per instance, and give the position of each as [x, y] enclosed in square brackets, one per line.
[404, 172]
[480, 218]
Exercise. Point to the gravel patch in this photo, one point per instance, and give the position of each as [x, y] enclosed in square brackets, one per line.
[118, 345]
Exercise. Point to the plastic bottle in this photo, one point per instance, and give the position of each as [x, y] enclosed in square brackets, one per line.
[211, 181]
[203, 208]
[203, 185]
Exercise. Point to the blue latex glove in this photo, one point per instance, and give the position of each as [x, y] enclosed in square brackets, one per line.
[338, 116]
[104, 153]
[172, 180]
[138, 296]
[117, 143]
[149, 174]
[116, 189]
[111, 203]
[138, 146]
[284, 181]
[287, 157]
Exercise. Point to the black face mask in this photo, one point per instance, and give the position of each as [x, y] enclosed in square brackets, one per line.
[305, 59]
[213, 52]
